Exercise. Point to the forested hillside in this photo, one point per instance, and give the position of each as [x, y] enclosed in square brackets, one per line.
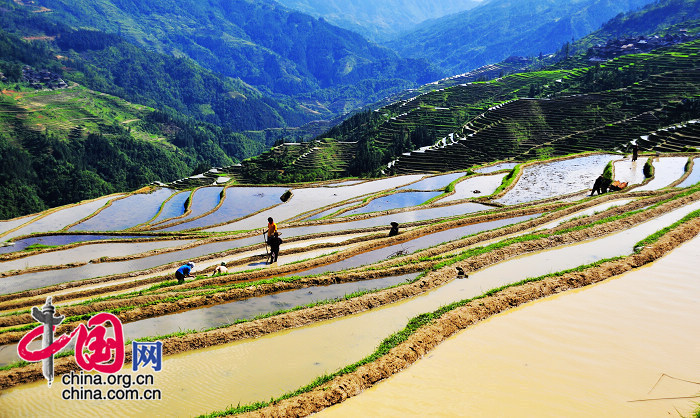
[573, 107]
[379, 20]
[499, 28]
[327, 69]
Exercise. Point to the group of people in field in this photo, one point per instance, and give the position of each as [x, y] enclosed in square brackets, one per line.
[271, 237]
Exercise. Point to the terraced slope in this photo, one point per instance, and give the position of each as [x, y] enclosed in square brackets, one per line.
[322, 257]
[522, 116]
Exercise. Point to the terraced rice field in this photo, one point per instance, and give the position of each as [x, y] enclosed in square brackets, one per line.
[339, 300]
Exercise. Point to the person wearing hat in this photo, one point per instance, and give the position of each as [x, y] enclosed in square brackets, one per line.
[184, 272]
[220, 269]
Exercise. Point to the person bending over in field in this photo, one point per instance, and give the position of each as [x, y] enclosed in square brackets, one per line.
[220, 269]
[184, 272]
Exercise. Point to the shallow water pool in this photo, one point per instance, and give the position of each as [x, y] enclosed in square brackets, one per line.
[126, 213]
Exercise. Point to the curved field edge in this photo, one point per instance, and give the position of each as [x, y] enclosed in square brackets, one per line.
[426, 331]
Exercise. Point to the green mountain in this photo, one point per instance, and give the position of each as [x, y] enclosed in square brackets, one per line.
[379, 20]
[663, 17]
[326, 69]
[497, 29]
[527, 115]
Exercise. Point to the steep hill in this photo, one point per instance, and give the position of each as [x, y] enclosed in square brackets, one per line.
[523, 116]
[497, 29]
[278, 51]
[379, 20]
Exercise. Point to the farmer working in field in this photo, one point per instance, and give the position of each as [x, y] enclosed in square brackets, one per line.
[220, 269]
[271, 229]
[601, 185]
[184, 272]
[394, 229]
[274, 242]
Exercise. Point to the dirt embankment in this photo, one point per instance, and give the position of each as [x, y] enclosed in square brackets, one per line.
[310, 315]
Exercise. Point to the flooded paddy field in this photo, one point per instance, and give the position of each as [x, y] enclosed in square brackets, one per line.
[694, 176]
[173, 207]
[204, 200]
[63, 239]
[85, 253]
[61, 218]
[565, 354]
[666, 171]
[433, 182]
[475, 187]
[238, 203]
[393, 201]
[541, 181]
[496, 167]
[126, 212]
[263, 358]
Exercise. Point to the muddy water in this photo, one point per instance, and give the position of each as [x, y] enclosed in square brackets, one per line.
[239, 202]
[247, 309]
[576, 354]
[62, 218]
[631, 172]
[204, 318]
[304, 200]
[496, 167]
[412, 246]
[546, 180]
[253, 370]
[433, 183]
[394, 201]
[86, 253]
[46, 278]
[693, 177]
[174, 207]
[666, 171]
[127, 212]
[475, 187]
[410, 216]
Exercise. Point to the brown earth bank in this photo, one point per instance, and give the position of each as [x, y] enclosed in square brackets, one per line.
[428, 337]
[507, 298]
[408, 264]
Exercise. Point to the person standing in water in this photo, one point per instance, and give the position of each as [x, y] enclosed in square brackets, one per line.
[271, 230]
[275, 242]
[635, 151]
